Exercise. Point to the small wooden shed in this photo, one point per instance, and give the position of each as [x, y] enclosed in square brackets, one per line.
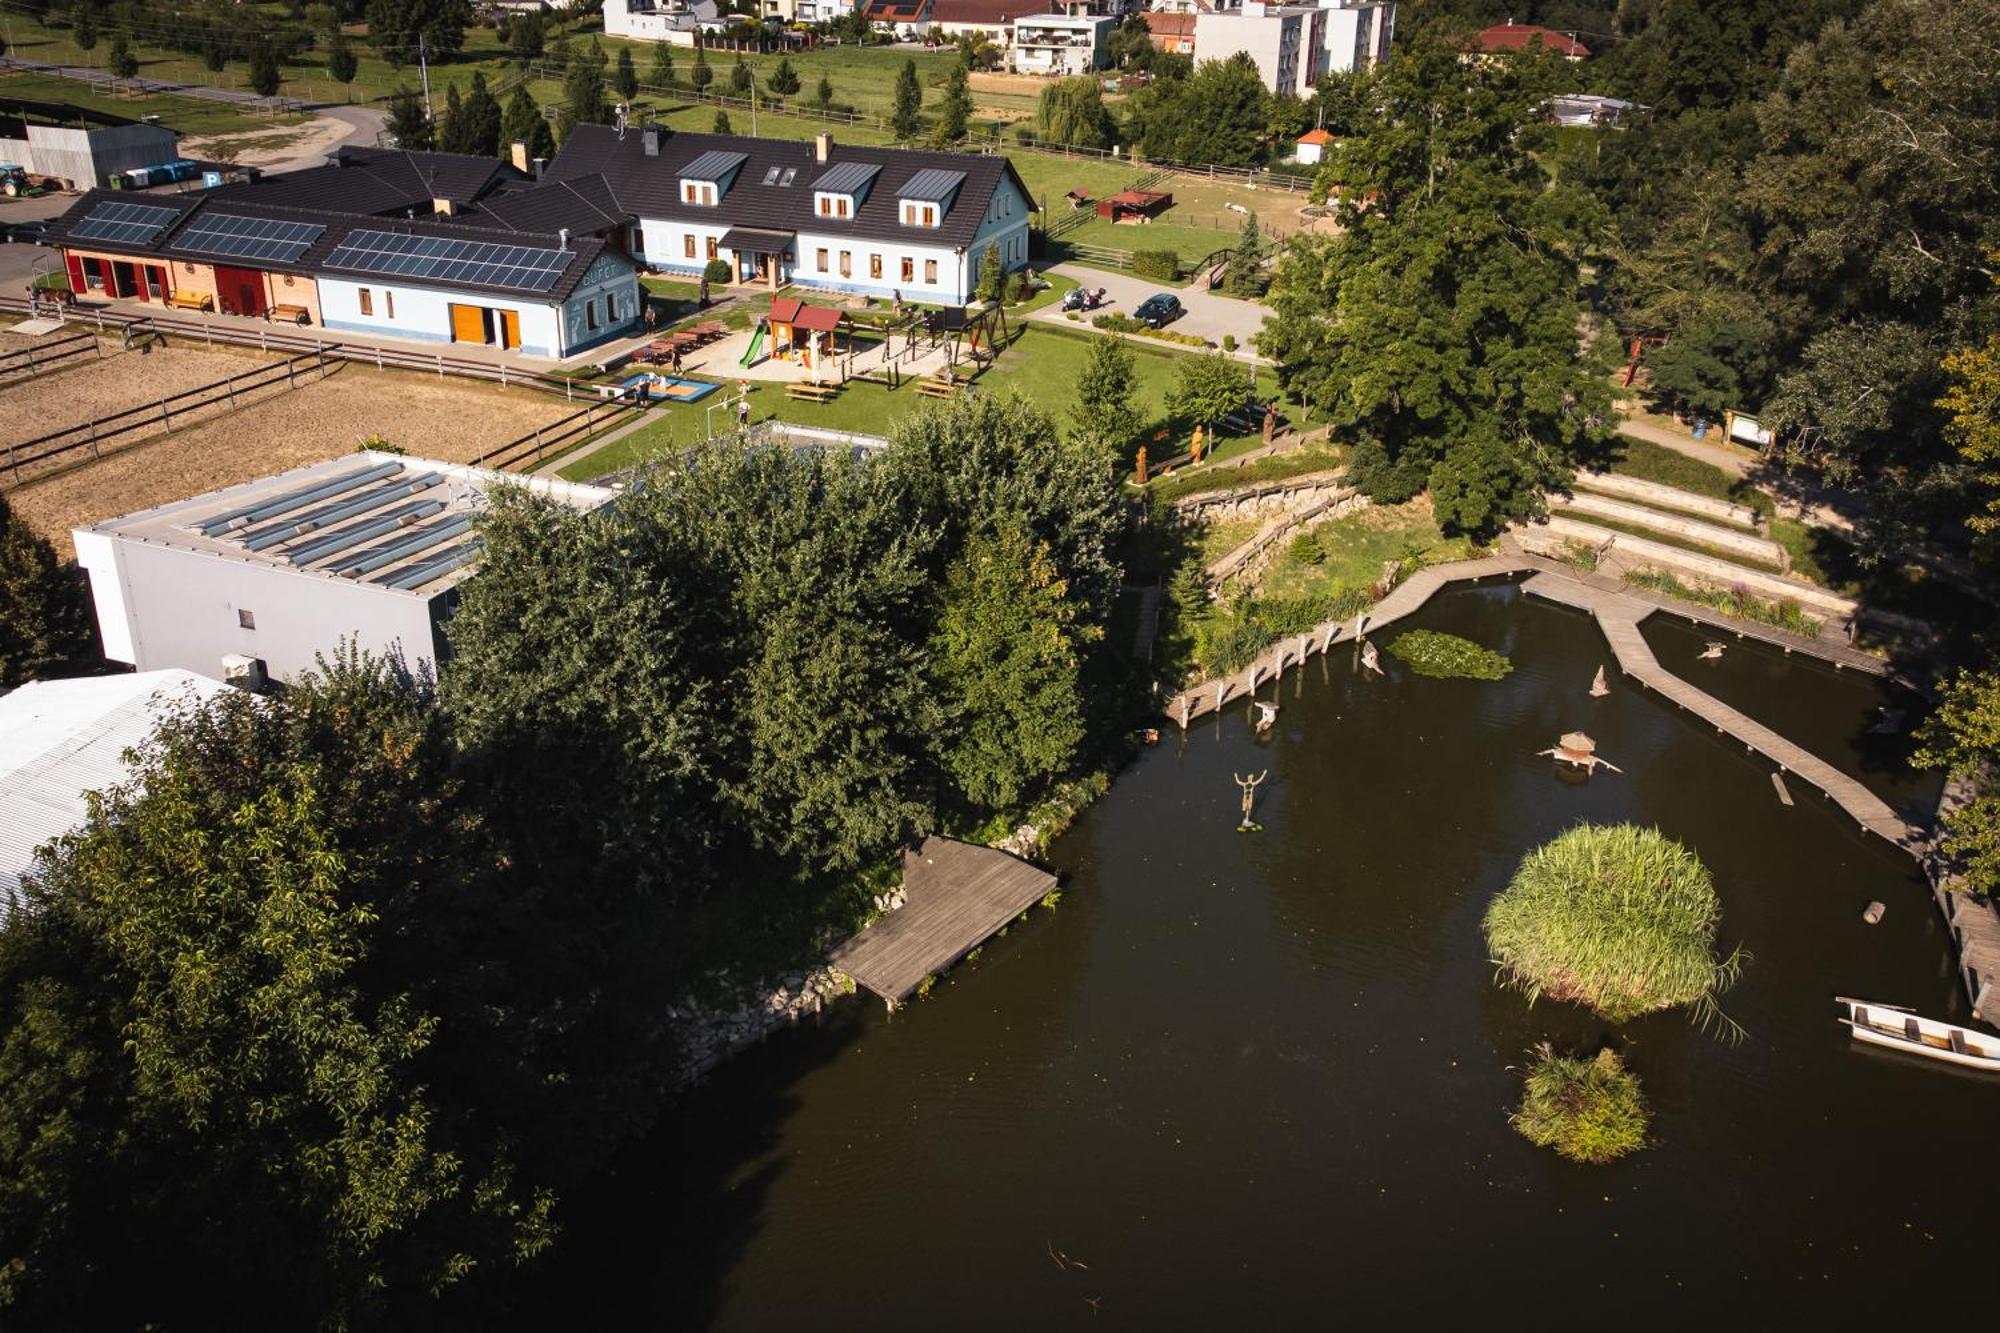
[1134, 206]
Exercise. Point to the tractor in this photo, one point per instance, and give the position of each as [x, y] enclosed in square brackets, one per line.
[14, 182]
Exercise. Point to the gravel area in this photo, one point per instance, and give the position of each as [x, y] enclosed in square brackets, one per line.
[448, 420]
[88, 389]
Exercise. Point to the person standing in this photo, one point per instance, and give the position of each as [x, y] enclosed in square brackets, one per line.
[704, 292]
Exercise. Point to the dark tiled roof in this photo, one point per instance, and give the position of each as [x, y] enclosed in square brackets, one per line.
[895, 11]
[584, 207]
[381, 181]
[312, 262]
[650, 186]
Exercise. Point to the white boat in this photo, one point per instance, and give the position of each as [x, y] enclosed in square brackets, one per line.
[1897, 1028]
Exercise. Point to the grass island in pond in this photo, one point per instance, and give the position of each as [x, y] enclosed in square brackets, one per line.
[1616, 917]
[1590, 1111]
[1430, 652]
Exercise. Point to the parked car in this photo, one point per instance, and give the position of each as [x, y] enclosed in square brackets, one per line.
[27, 233]
[1159, 310]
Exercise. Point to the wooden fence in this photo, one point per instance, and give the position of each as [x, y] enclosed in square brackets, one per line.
[41, 354]
[536, 445]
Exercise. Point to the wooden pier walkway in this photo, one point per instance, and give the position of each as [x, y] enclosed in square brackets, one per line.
[1405, 599]
[955, 895]
[1618, 616]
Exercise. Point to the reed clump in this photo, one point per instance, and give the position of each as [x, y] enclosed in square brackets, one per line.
[1590, 1111]
[1617, 917]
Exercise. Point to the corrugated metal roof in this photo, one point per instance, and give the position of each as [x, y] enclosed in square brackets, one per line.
[847, 177]
[60, 740]
[714, 165]
[933, 185]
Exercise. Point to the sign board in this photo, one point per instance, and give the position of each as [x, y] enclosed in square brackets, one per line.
[1748, 430]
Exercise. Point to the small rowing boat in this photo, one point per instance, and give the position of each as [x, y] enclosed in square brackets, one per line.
[1897, 1028]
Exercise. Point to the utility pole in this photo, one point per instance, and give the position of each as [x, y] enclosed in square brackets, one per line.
[424, 70]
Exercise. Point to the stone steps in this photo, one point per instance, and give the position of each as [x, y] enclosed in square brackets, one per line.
[1732, 541]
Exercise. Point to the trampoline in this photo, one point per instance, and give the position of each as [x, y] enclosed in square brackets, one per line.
[670, 388]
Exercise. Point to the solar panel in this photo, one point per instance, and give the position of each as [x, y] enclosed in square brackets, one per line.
[282, 504]
[123, 223]
[340, 539]
[523, 268]
[714, 165]
[236, 237]
[346, 507]
[932, 185]
[433, 567]
[847, 177]
[402, 547]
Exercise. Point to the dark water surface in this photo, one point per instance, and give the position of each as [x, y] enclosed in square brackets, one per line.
[1258, 1081]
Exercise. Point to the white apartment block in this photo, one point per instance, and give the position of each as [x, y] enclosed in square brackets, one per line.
[1058, 44]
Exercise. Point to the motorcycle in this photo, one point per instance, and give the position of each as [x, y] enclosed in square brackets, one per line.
[1082, 298]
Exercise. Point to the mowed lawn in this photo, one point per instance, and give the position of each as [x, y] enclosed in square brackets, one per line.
[192, 116]
[1041, 365]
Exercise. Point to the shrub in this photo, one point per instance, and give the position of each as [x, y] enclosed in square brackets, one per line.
[1024, 287]
[717, 272]
[1616, 917]
[1159, 265]
[1228, 342]
[1445, 656]
[1735, 601]
[1590, 1111]
[1307, 549]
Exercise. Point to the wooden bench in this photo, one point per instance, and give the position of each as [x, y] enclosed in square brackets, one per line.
[201, 301]
[940, 388]
[813, 393]
[291, 314]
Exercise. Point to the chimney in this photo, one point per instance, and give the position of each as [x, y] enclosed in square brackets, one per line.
[518, 151]
[562, 237]
[822, 147]
[651, 135]
[540, 162]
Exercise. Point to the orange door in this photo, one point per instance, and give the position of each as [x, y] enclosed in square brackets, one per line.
[468, 324]
[510, 328]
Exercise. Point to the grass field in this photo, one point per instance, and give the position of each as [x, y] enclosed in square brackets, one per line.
[1041, 365]
[190, 115]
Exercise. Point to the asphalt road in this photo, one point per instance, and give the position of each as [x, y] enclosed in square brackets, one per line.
[1208, 315]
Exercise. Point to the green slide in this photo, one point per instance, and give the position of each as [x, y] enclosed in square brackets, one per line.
[756, 345]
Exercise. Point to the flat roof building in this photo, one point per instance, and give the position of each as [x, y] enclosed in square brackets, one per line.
[261, 579]
[84, 148]
[61, 740]
[1062, 44]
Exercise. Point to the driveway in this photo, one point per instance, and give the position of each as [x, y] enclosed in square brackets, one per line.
[1208, 315]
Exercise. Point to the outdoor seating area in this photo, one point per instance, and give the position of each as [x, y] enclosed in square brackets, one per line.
[661, 350]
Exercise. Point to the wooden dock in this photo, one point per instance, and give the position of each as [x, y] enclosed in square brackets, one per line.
[955, 895]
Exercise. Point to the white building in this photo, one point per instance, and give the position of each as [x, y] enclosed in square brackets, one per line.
[676, 22]
[82, 147]
[1294, 45]
[1062, 45]
[874, 221]
[261, 579]
[61, 740]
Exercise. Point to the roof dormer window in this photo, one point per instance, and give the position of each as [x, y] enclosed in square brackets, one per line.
[834, 205]
[702, 194]
[706, 179]
[927, 195]
[919, 214]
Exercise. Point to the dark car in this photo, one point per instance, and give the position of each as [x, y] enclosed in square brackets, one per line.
[1159, 309]
[30, 233]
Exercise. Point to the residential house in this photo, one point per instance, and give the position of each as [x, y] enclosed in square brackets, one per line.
[1506, 38]
[1171, 31]
[676, 22]
[908, 19]
[1311, 148]
[1061, 44]
[990, 19]
[876, 221]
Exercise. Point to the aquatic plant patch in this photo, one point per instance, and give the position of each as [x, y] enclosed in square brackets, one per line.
[1590, 1111]
[1446, 656]
[1617, 917]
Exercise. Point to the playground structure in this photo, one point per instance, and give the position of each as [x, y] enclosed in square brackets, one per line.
[811, 333]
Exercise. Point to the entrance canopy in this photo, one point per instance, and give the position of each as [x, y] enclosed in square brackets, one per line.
[751, 241]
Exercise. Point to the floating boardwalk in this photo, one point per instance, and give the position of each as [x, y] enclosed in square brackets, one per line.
[955, 895]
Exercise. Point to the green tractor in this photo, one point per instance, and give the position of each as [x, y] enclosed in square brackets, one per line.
[14, 182]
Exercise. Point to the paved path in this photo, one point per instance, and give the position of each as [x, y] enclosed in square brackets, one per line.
[1208, 315]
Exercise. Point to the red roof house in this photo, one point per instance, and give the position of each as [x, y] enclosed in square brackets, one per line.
[1505, 37]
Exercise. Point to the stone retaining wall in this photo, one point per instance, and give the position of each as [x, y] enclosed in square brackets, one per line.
[1548, 537]
[1667, 497]
[1732, 540]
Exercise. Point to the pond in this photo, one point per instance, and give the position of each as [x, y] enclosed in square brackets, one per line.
[1262, 1080]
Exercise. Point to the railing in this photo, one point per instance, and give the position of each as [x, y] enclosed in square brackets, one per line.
[42, 354]
[155, 416]
[535, 445]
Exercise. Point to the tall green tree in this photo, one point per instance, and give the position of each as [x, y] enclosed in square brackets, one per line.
[662, 73]
[699, 74]
[1215, 117]
[265, 74]
[341, 63]
[400, 29]
[583, 93]
[1963, 738]
[83, 25]
[451, 128]
[740, 80]
[524, 122]
[955, 110]
[1208, 389]
[1106, 396]
[625, 76]
[409, 128]
[120, 60]
[1972, 402]
[1072, 112]
[1130, 41]
[482, 118]
[1244, 274]
[251, 964]
[1441, 327]
[45, 615]
[525, 36]
[823, 95]
[784, 80]
[1009, 652]
[992, 284]
[904, 115]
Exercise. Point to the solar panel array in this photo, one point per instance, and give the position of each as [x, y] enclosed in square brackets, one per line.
[236, 237]
[123, 223]
[932, 184]
[519, 268]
